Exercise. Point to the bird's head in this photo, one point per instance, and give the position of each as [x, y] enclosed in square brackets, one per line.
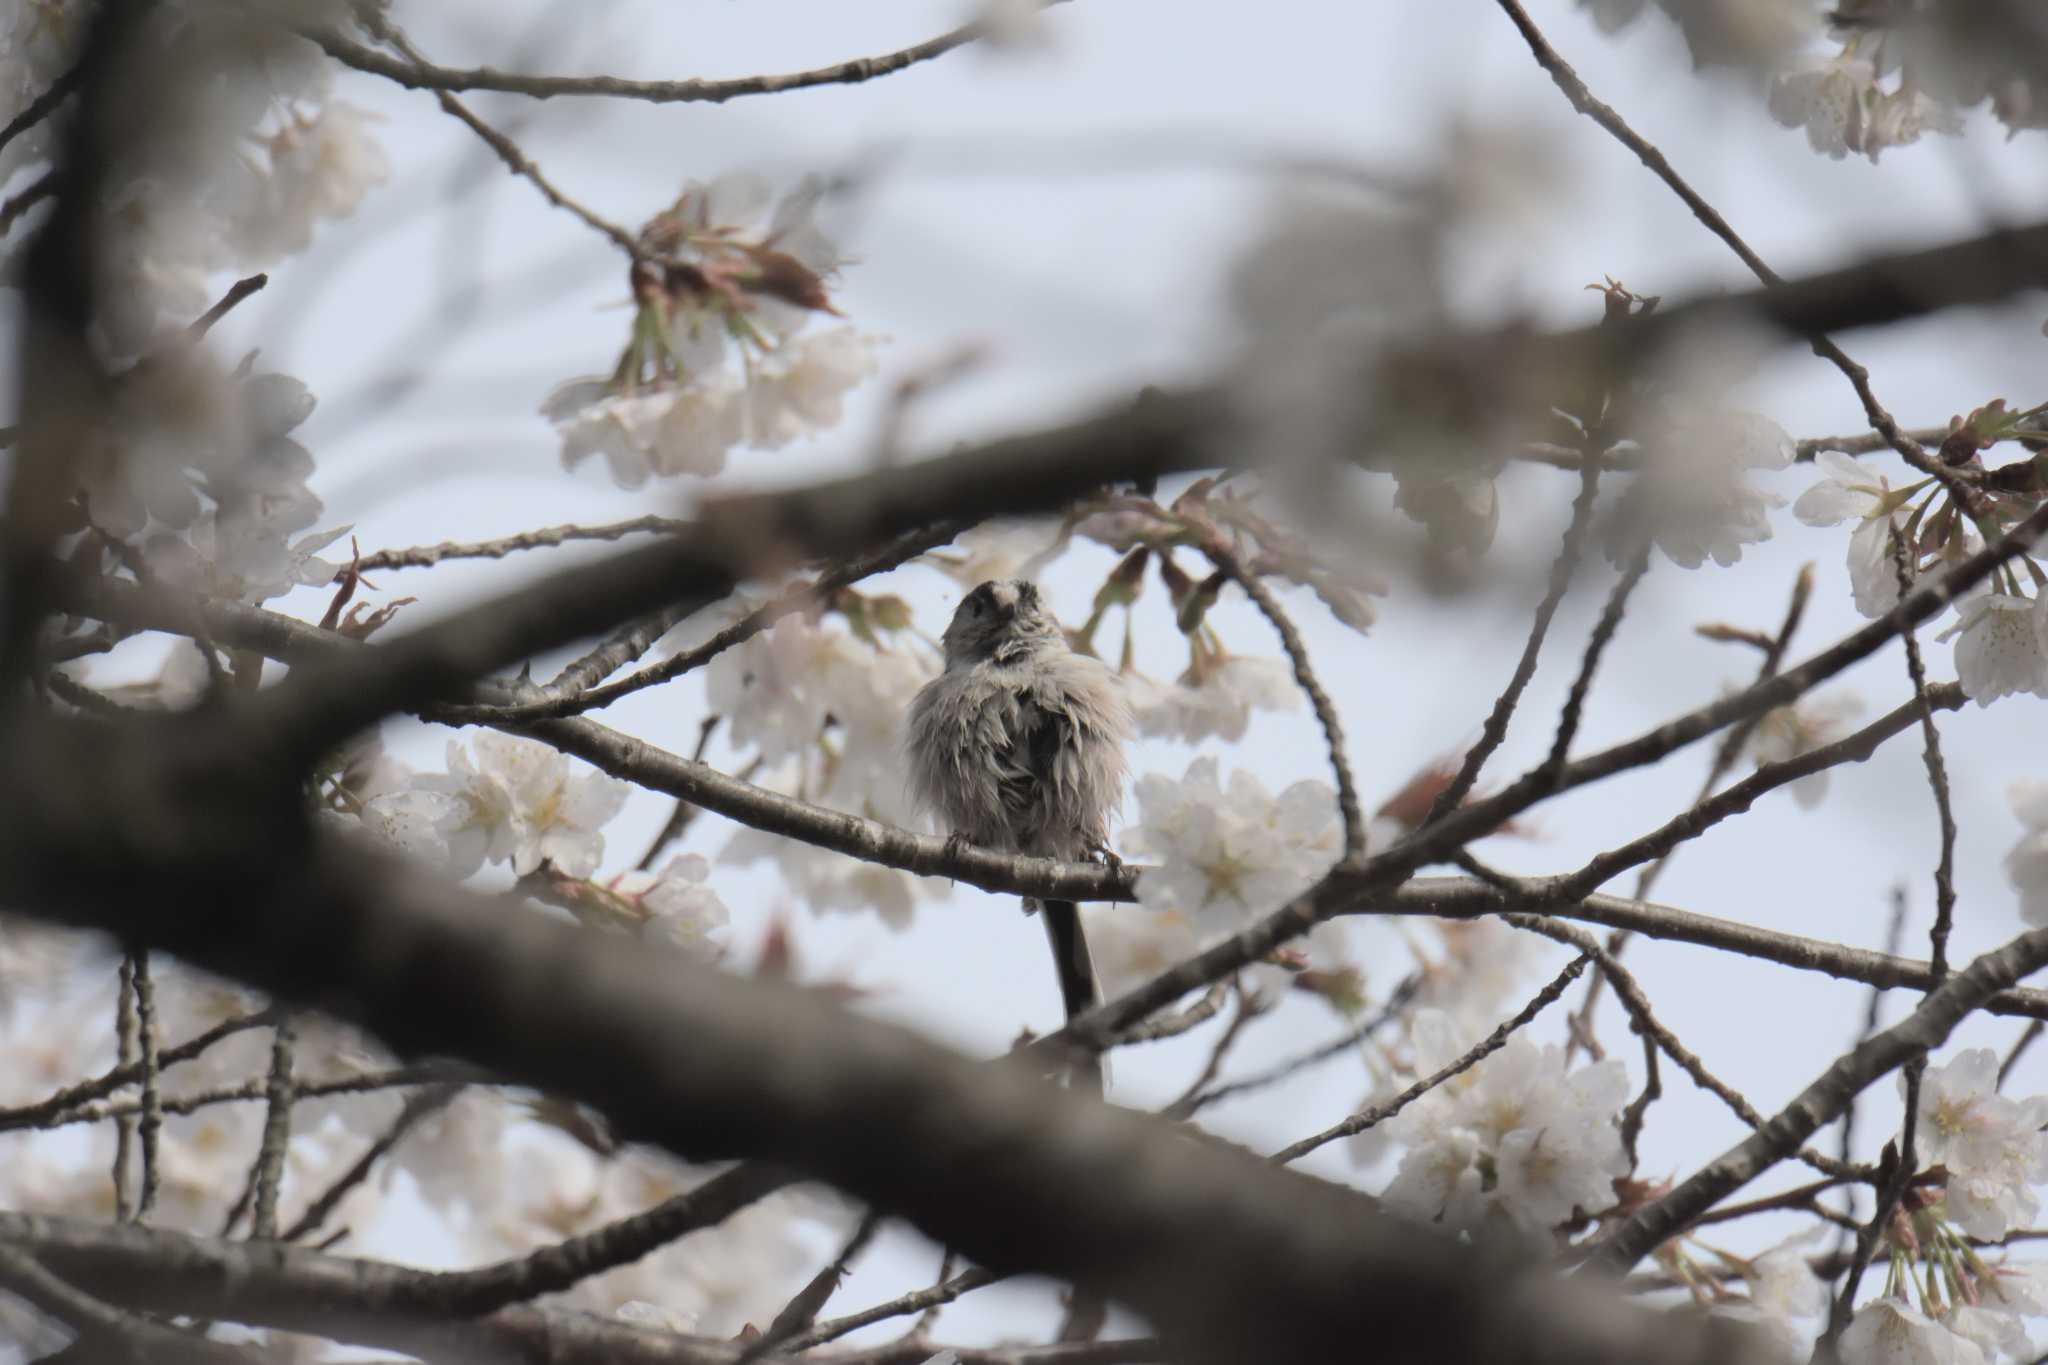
[1000, 619]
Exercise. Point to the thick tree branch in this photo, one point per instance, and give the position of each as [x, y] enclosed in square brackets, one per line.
[1234, 1261]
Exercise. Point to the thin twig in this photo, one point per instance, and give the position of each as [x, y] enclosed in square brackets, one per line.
[1397, 1005]
[1581, 1032]
[1596, 645]
[1182, 1021]
[1895, 936]
[919, 1301]
[802, 1311]
[252, 1092]
[420, 75]
[38, 190]
[149, 1127]
[420, 1107]
[1937, 779]
[680, 816]
[42, 1111]
[237, 292]
[278, 1095]
[2020, 1045]
[1220, 553]
[1249, 1007]
[42, 106]
[1926, 1028]
[1495, 729]
[1567, 80]
[798, 597]
[508, 151]
[1643, 1019]
[546, 537]
[1493, 1042]
[124, 1048]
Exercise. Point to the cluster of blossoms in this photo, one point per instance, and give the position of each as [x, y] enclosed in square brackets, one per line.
[727, 274]
[819, 699]
[2001, 632]
[195, 480]
[1518, 1141]
[1942, 1301]
[234, 179]
[1864, 75]
[1227, 855]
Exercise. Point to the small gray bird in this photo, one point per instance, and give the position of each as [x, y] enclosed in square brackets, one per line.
[1019, 747]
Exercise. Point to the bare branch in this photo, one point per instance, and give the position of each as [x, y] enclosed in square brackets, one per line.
[1492, 1043]
[1495, 730]
[420, 75]
[1219, 552]
[1872, 295]
[1923, 1030]
[268, 1173]
[545, 537]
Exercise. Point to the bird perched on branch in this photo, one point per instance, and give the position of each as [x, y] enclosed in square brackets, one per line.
[1019, 746]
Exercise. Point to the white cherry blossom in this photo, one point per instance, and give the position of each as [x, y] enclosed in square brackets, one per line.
[1788, 732]
[1850, 489]
[1517, 1135]
[508, 800]
[1889, 1331]
[1215, 700]
[2001, 645]
[1226, 856]
[683, 911]
[1992, 1145]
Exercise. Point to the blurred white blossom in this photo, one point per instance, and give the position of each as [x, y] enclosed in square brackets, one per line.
[503, 799]
[1889, 1331]
[1215, 697]
[1787, 732]
[683, 911]
[2026, 866]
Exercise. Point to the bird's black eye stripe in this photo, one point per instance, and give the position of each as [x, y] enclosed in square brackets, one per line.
[1027, 591]
[983, 597]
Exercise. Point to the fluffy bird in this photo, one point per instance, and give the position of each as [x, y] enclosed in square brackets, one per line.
[1019, 746]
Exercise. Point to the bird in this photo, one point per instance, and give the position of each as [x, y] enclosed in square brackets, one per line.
[1018, 746]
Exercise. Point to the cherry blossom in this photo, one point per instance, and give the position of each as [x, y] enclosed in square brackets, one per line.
[1790, 731]
[683, 911]
[1517, 1135]
[1226, 856]
[2001, 645]
[1993, 1146]
[1889, 1331]
[718, 357]
[504, 799]
[2026, 866]
[1213, 698]
[1693, 495]
[1850, 489]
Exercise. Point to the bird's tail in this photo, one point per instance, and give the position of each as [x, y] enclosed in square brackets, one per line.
[1076, 970]
[1086, 1311]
